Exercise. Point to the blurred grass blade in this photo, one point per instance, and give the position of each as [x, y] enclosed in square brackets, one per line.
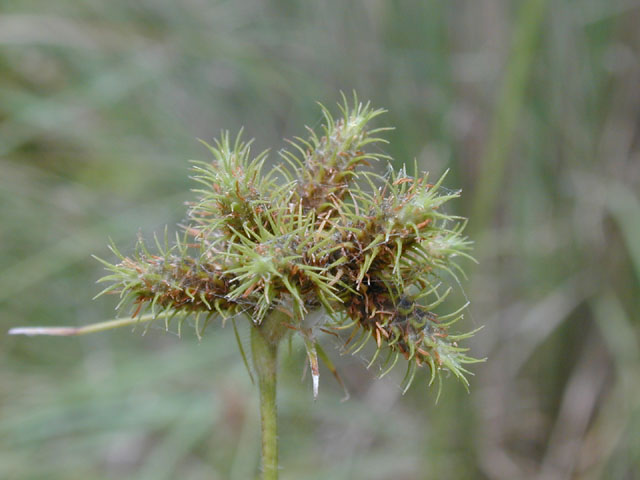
[625, 208]
[510, 102]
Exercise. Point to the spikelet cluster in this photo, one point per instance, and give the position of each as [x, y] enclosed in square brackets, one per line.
[322, 230]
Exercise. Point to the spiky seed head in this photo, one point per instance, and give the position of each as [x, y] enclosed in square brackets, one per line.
[374, 252]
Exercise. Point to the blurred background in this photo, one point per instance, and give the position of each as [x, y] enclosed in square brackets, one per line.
[534, 105]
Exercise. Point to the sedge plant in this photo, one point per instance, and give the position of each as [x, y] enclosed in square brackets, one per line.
[325, 230]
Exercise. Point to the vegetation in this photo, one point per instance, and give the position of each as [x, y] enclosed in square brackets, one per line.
[373, 260]
[535, 101]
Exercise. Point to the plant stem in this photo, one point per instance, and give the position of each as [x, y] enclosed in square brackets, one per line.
[265, 355]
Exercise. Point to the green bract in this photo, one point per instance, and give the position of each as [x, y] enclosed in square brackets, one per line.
[321, 231]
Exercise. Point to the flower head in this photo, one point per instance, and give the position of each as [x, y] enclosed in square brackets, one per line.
[321, 231]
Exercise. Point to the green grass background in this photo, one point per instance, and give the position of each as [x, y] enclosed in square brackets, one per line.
[534, 105]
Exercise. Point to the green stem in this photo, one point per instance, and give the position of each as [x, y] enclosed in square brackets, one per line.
[265, 355]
